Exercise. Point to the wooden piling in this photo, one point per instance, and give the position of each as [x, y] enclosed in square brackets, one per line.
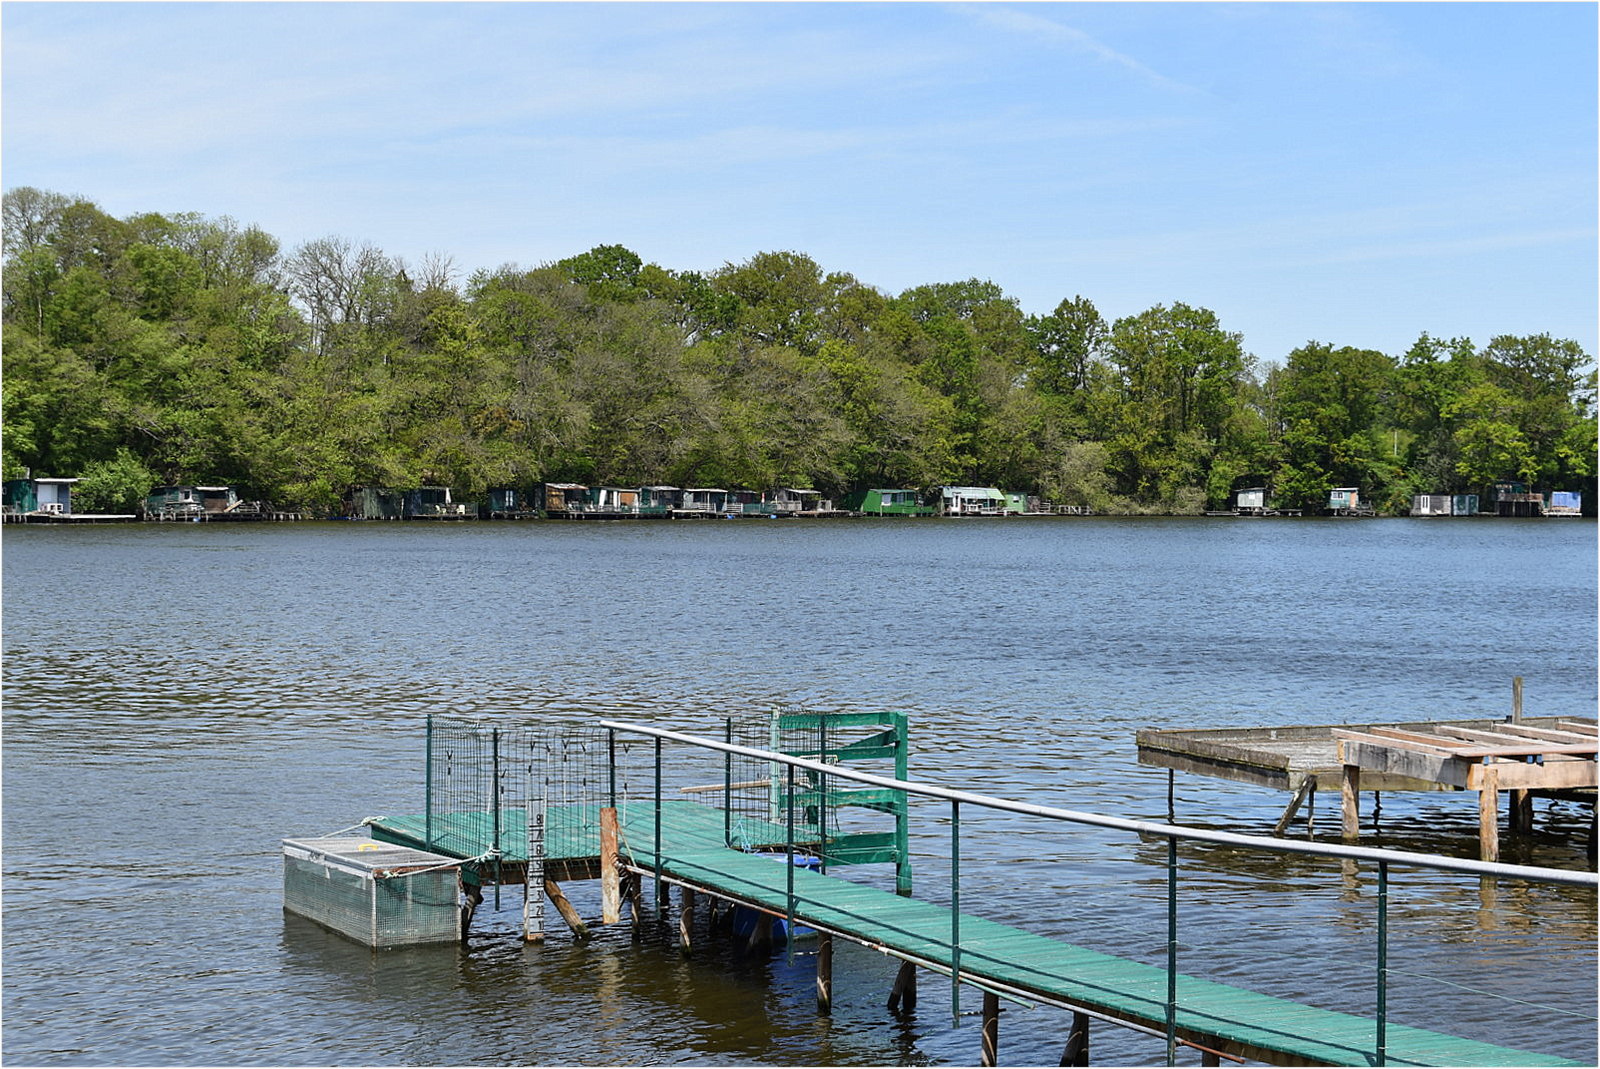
[686, 921]
[761, 934]
[1489, 814]
[1521, 799]
[824, 972]
[1350, 799]
[552, 891]
[1077, 1052]
[903, 996]
[610, 870]
[991, 1028]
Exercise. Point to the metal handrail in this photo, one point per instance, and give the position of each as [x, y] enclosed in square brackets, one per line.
[1140, 827]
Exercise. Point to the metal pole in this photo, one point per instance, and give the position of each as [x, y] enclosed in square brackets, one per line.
[1172, 950]
[661, 891]
[611, 771]
[1383, 963]
[789, 876]
[822, 801]
[727, 785]
[427, 801]
[494, 800]
[955, 913]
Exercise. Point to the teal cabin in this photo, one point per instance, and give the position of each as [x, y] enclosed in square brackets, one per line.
[190, 502]
[658, 500]
[373, 503]
[887, 503]
[1019, 504]
[51, 496]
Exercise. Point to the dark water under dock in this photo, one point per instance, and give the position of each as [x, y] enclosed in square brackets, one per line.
[177, 699]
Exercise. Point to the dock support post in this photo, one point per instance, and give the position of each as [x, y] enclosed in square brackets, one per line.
[1077, 1052]
[903, 996]
[1210, 1057]
[824, 972]
[1489, 814]
[610, 881]
[1172, 950]
[686, 920]
[1307, 785]
[553, 892]
[1521, 800]
[761, 934]
[1350, 797]
[991, 1028]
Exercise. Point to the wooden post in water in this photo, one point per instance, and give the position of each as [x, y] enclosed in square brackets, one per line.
[610, 873]
[552, 891]
[903, 996]
[1077, 1052]
[761, 934]
[824, 972]
[1521, 800]
[1350, 797]
[991, 1028]
[1489, 813]
[686, 920]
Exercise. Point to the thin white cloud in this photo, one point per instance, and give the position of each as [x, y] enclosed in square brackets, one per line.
[1038, 27]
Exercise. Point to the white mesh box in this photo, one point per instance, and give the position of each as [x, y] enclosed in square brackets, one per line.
[375, 893]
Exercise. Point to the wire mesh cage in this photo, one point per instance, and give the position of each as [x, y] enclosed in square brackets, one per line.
[376, 893]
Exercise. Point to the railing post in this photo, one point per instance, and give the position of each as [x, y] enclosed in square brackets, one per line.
[661, 891]
[494, 803]
[1172, 950]
[822, 792]
[611, 761]
[727, 784]
[955, 913]
[1383, 963]
[427, 792]
[788, 902]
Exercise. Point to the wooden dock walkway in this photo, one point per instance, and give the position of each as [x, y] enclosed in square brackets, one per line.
[1000, 960]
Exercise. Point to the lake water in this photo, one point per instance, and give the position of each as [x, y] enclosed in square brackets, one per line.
[180, 698]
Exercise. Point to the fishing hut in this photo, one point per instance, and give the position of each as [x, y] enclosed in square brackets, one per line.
[1524, 757]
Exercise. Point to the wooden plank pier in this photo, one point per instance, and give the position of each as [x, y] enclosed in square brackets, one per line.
[686, 844]
[1537, 756]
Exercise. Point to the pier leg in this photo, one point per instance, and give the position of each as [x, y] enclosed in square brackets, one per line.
[686, 922]
[1350, 797]
[903, 996]
[633, 892]
[824, 972]
[761, 935]
[1210, 1057]
[610, 876]
[552, 891]
[991, 1028]
[1489, 814]
[1306, 787]
[473, 895]
[1311, 812]
[1077, 1052]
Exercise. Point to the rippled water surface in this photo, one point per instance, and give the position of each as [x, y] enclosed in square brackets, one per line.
[179, 699]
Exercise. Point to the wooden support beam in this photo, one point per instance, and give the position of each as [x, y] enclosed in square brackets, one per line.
[1077, 1052]
[991, 1028]
[824, 972]
[1210, 1057]
[1350, 796]
[686, 921]
[1489, 814]
[1307, 785]
[610, 869]
[552, 891]
[903, 996]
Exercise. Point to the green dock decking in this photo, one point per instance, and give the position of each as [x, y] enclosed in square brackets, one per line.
[992, 956]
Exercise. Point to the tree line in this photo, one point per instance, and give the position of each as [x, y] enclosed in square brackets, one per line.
[173, 349]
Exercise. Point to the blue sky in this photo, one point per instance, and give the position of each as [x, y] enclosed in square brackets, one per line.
[1350, 173]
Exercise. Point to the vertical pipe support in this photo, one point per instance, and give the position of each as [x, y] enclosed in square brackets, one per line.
[611, 762]
[727, 784]
[661, 890]
[955, 913]
[1172, 950]
[494, 803]
[1383, 963]
[788, 899]
[427, 792]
